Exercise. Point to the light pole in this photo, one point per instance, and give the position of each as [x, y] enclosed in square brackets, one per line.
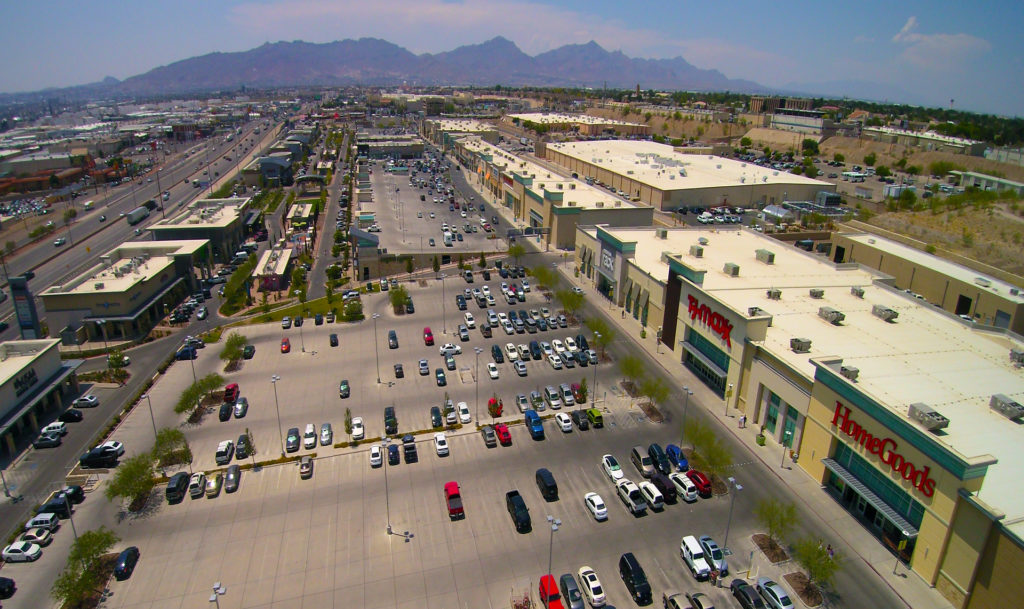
[273, 381]
[376, 351]
[302, 340]
[736, 487]
[444, 317]
[785, 436]
[478, 350]
[151, 417]
[686, 404]
[555, 523]
[191, 360]
[593, 393]
[218, 590]
[387, 497]
[67, 503]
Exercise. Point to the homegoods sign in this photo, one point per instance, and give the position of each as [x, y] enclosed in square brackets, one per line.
[885, 449]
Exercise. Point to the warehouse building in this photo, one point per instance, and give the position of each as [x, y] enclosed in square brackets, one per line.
[669, 178]
[544, 202]
[908, 418]
[582, 124]
[125, 294]
[219, 221]
[444, 131]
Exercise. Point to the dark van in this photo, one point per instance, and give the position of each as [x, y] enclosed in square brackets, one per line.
[547, 485]
[177, 487]
[633, 576]
[390, 420]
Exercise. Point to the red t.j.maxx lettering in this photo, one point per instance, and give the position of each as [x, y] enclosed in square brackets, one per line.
[719, 324]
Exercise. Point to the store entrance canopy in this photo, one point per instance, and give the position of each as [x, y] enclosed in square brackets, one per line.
[909, 530]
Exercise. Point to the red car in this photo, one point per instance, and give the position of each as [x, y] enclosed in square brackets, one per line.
[286, 345]
[700, 481]
[428, 337]
[501, 430]
[548, 590]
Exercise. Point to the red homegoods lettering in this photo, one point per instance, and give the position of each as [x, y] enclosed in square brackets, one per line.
[719, 324]
[884, 449]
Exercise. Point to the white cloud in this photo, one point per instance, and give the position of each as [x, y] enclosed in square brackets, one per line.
[938, 52]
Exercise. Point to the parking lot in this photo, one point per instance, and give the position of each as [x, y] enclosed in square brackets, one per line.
[406, 222]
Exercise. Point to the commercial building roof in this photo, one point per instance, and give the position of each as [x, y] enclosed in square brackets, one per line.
[663, 167]
[17, 355]
[300, 210]
[205, 213]
[575, 193]
[924, 356]
[462, 125]
[925, 135]
[126, 265]
[558, 118]
[273, 262]
[984, 282]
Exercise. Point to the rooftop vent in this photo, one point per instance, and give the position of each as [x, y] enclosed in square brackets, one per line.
[817, 293]
[1006, 407]
[800, 345]
[1017, 356]
[765, 256]
[98, 285]
[849, 372]
[774, 294]
[662, 233]
[928, 417]
[703, 241]
[754, 311]
[857, 291]
[883, 312]
[696, 251]
[983, 282]
[731, 269]
[833, 316]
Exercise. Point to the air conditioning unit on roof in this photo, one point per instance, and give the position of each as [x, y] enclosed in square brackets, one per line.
[817, 293]
[696, 251]
[774, 294]
[928, 417]
[857, 291]
[849, 372]
[731, 269]
[800, 345]
[1006, 407]
[883, 312]
[833, 316]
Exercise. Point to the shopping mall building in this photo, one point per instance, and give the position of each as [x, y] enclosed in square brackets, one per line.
[908, 415]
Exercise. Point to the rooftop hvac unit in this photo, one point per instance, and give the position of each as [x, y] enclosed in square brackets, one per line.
[731, 269]
[817, 293]
[883, 312]
[1017, 356]
[833, 316]
[662, 233]
[983, 282]
[1014, 292]
[696, 251]
[753, 311]
[765, 256]
[849, 372]
[703, 241]
[98, 285]
[599, 204]
[928, 417]
[774, 294]
[857, 291]
[618, 204]
[1006, 407]
[800, 345]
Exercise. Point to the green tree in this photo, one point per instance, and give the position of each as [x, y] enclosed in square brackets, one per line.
[604, 333]
[483, 261]
[907, 199]
[233, 346]
[940, 169]
[571, 301]
[10, 246]
[655, 390]
[746, 142]
[584, 391]
[80, 579]
[777, 517]
[809, 146]
[69, 215]
[544, 276]
[348, 421]
[902, 163]
[516, 251]
[398, 297]
[460, 262]
[409, 266]
[171, 447]
[815, 560]
[194, 393]
[132, 480]
[632, 367]
[869, 159]
[116, 360]
[883, 172]
[839, 157]
[354, 310]
[914, 170]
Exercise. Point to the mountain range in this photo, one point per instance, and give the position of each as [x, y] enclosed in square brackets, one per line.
[372, 61]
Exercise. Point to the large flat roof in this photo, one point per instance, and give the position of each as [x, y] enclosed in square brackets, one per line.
[273, 262]
[578, 192]
[946, 267]
[467, 125]
[126, 265]
[16, 355]
[661, 166]
[925, 355]
[558, 118]
[205, 213]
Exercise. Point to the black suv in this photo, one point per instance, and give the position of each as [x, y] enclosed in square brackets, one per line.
[390, 420]
[98, 457]
[633, 576]
[392, 339]
[499, 357]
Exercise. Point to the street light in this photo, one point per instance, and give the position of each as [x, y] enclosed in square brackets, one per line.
[686, 404]
[273, 381]
[736, 489]
[387, 498]
[376, 351]
[302, 340]
[151, 417]
[593, 393]
[478, 350]
[218, 590]
[444, 317]
[555, 523]
[191, 360]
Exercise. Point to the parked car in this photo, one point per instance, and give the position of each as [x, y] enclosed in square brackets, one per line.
[125, 563]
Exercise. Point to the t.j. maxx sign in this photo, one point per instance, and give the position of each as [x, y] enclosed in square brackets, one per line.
[712, 319]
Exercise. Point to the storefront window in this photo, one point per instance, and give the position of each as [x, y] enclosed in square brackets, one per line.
[771, 418]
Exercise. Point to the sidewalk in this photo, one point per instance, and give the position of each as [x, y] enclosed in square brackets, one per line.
[847, 536]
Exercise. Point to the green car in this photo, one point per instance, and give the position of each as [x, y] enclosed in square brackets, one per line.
[248, 352]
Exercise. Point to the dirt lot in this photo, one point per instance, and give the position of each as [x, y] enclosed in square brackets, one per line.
[855, 149]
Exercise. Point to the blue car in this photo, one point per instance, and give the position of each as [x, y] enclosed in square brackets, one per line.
[534, 424]
[677, 458]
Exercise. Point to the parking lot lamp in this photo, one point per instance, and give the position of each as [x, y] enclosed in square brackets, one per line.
[384, 457]
[302, 340]
[478, 350]
[736, 488]
[151, 417]
[555, 523]
[218, 591]
[593, 392]
[444, 317]
[273, 380]
[686, 403]
[376, 350]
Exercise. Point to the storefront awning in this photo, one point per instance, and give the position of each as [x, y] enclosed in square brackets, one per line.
[712, 366]
[876, 502]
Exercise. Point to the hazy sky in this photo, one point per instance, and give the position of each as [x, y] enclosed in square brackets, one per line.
[911, 51]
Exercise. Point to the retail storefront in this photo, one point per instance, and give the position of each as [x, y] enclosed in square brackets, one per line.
[35, 385]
